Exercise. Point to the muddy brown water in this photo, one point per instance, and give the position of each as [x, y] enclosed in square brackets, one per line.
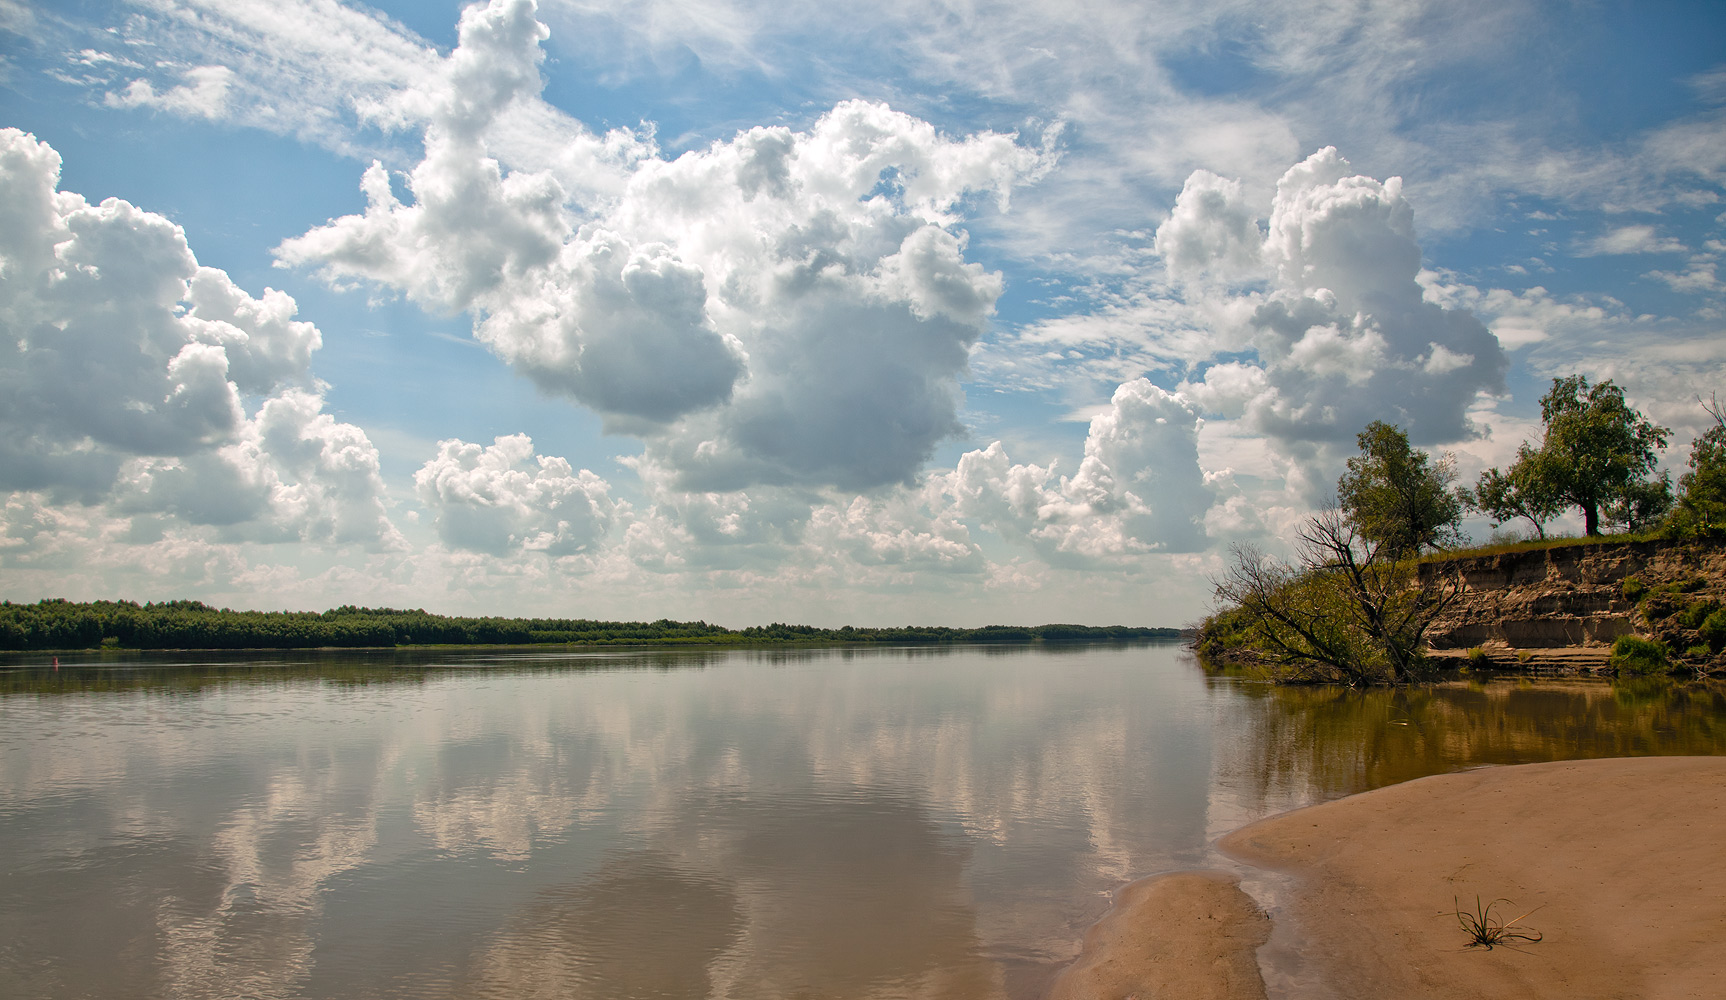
[838, 823]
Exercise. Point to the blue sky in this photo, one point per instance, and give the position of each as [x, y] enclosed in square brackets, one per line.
[941, 313]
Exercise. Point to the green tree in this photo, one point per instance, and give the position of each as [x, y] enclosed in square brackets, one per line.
[1347, 611]
[1642, 505]
[1598, 454]
[1398, 497]
[1516, 492]
[1701, 507]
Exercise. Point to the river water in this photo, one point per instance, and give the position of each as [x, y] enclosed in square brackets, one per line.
[833, 823]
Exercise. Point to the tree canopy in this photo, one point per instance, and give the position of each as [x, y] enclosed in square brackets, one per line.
[1701, 507]
[1598, 455]
[1517, 493]
[1399, 497]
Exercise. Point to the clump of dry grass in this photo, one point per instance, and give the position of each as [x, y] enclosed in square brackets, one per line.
[1485, 929]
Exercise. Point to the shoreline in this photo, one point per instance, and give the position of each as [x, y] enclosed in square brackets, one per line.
[1622, 860]
[659, 644]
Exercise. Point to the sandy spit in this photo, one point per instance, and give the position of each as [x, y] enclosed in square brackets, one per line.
[1191, 935]
[1623, 863]
[1625, 860]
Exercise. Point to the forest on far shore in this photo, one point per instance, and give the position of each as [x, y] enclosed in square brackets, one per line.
[61, 624]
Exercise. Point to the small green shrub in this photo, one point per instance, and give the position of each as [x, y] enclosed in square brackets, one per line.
[1633, 589]
[1698, 611]
[1698, 652]
[1477, 656]
[1713, 629]
[1635, 655]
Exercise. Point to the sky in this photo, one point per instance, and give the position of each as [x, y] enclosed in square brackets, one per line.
[937, 313]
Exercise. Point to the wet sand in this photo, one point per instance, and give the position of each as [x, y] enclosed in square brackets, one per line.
[1206, 933]
[1623, 862]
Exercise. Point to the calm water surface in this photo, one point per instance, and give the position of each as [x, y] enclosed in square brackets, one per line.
[828, 823]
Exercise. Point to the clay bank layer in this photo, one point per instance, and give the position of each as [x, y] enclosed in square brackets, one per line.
[1559, 609]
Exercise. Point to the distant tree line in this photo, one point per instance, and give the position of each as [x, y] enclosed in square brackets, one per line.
[61, 624]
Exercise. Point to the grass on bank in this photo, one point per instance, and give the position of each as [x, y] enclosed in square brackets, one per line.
[1537, 544]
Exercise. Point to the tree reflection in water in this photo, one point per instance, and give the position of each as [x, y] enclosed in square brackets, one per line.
[1326, 742]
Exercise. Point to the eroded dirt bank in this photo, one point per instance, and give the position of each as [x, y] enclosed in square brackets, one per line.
[1558, 610]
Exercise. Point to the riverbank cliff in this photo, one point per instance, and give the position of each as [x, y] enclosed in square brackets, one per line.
[1558, 610]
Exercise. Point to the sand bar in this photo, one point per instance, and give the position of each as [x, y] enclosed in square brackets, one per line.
[1624, 858]
[1203, 936]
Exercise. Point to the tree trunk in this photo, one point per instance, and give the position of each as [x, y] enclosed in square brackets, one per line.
[1590, 519]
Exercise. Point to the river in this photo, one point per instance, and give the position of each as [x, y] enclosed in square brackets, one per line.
[836, 823]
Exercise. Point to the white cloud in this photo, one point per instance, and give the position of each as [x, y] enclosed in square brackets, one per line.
[1348, 335]
[1151, 91]
[203, 95]
[126, 368]
[1631, 239]
[503, 499]
[317, 69]
[895, 533]
[1700, 276]
[1212, 229]
[1138, 489]
[294, 473]
[781, 307]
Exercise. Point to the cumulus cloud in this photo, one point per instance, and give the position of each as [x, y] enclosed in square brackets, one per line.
[1346, 334]
[293, 473]
[130, 372]
[1212, 230]
[502, 499]
[783, 307]
[1138, 489]
[906, 532]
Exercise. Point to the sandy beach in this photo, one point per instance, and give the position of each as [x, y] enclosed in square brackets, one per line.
[1623, 862]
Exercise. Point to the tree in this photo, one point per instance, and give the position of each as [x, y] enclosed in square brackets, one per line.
[1598, 452]
[1642, 504]
[1518, 492]
[1348, 611]
[1701, 507]
[1399, 497]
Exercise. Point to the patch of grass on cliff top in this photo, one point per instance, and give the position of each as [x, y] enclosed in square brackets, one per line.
[1530, 544]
